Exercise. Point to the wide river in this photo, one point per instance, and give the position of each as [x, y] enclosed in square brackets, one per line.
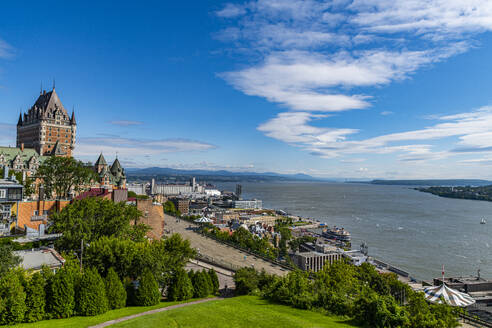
[415, 231]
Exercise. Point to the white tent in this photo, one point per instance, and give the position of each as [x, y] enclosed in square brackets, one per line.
[203, 220]
[438, 294]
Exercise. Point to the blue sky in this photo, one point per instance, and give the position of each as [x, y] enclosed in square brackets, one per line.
[339, 88]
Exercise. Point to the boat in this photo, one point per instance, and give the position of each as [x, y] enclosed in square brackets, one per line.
[483, 221]
[337, 233]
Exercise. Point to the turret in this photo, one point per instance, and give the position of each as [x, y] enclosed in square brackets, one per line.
[19, 123]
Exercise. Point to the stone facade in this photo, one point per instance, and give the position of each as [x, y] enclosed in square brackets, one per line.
[47, 127]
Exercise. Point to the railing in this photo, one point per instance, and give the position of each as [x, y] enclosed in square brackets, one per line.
[39, 218]
[475, 320]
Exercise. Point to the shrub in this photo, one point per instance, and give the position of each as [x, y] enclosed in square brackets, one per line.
[148, 290]
[115, 291]
[62, 291]
[181, 287]
[12, 297]
[91, 294]
[35, 298]
[215, 281]
[201, 284]
[246, 281]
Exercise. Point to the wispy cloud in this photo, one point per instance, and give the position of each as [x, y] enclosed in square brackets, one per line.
[125, 123]
[7, 134]
[326, 56]
[386, 113]
[6, 50]
[90, 146]
[472, 132]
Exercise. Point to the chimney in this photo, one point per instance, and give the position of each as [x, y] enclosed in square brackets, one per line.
[5, 172]
[22, 147]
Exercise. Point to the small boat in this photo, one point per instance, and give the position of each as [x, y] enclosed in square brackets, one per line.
[483, 221]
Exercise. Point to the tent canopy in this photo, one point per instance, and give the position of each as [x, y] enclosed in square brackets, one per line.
[203, 220]
[438, 294]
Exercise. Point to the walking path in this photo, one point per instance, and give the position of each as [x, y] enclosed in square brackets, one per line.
[112, 322]
[218, 251]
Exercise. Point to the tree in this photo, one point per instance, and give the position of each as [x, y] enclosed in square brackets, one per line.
[91, 294]
[201, 284]
[148, 292]
[246, 281]
[62, 300]
[170, 209]
[181, 288]
[215, 281]
[7, 259]
[115, 291]
[61, 175]
[12, 297]
[92, 218]
[35, 298]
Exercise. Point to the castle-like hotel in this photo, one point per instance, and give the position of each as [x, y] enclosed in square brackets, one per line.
[46, 130]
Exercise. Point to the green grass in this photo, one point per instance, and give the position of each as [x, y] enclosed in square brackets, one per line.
[244, 311]
[82, 322]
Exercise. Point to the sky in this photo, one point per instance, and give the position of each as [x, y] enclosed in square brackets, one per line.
[390, 89]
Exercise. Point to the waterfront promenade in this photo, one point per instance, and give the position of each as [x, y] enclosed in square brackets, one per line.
[219, 252]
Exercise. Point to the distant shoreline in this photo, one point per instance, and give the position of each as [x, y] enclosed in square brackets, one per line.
[483, 193]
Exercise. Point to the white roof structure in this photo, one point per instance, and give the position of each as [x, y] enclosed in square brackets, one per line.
[36, 258]
[438, 294]
[203, 220]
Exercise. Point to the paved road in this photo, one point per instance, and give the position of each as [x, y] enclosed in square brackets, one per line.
[112, 322]
[218, 251]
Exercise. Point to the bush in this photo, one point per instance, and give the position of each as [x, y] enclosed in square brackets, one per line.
[62, 291]
[201, 284]
[148, 290]
[91, 294]
[35, 298]
[215, 281]
[115, 291]
[12, 297]
[181, 288]
[246, 281]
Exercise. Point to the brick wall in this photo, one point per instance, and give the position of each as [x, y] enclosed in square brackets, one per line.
[26, 213]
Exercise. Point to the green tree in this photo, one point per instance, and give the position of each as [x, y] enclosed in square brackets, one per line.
[61, 175]
[215, 281]
[201, 284]
[246, 281]
[148, 292]
[62, 294]
[91, 294]
[92, 218]
[7, 259]
[115, 291]
[181, 288]
[35, 298]
[12, 297]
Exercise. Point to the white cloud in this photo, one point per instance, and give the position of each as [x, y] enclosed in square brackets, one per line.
[7, 134]
[472, 132]
[386, 113]
[91, 146]
[230, 10]
[125, 123]
[6, 50]
[327, 56]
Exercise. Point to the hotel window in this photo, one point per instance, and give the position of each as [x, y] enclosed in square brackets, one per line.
[3, 193]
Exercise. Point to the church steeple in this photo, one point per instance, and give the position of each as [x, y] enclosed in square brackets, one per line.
[19, 123]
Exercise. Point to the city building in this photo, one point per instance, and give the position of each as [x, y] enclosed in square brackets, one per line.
[178, 189]
[33, 213]
[138, 188]
[315, 261]
[181, 204]
[25, 160]
[35, 259]
[46, 127]
[110, 176]
[10, 196]
[248, 204]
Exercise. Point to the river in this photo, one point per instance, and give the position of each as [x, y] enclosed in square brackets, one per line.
[415, 231]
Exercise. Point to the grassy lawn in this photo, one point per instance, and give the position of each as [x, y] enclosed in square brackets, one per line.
[245, 311]
[82, 322]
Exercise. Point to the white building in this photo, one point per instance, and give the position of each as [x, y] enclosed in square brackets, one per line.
[255, 204]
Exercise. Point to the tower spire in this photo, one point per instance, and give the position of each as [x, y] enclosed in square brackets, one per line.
[53, 84]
